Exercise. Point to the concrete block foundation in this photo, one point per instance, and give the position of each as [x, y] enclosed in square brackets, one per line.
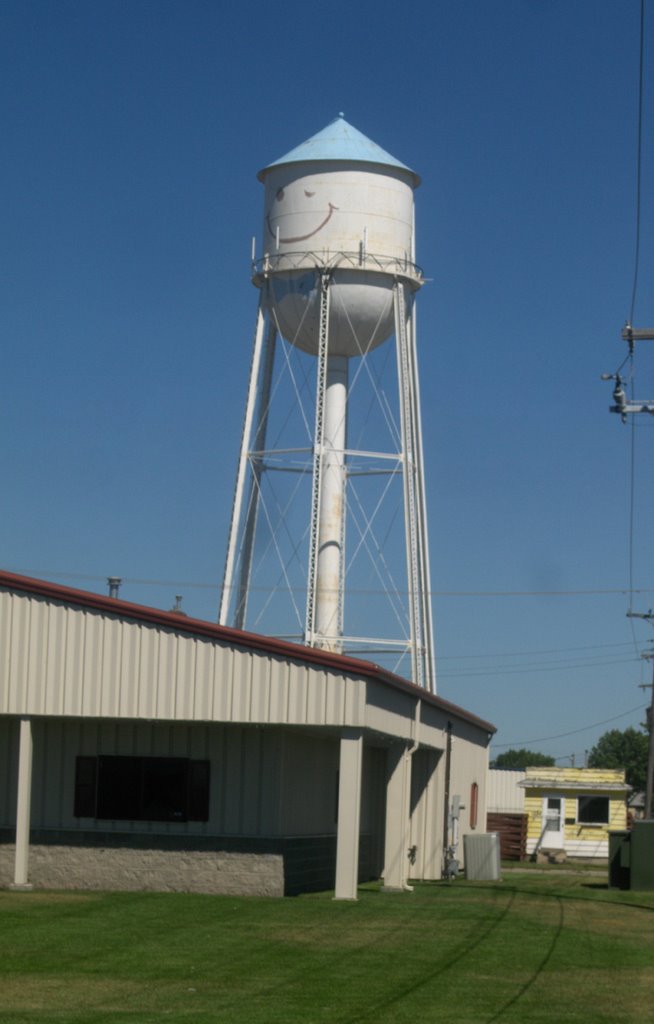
[230, 866]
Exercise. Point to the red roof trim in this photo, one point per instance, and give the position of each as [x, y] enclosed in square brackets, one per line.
[226, 634]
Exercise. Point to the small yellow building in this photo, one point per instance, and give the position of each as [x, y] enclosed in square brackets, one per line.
[572, 810]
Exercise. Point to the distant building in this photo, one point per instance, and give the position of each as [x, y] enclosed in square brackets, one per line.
[572, 810]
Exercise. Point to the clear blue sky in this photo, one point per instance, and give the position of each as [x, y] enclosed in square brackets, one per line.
[132, 134]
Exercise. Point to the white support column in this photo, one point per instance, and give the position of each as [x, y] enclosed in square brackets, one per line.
[396, 846]
[423, 538]
[420, 616]
[349, 815]
[21, 861]
[256, 464]
[329, 573]
[227, 599]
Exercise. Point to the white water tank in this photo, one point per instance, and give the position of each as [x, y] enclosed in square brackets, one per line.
[337, 202]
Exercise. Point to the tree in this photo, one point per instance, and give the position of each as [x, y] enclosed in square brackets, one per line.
[521, 759]
[622, 749]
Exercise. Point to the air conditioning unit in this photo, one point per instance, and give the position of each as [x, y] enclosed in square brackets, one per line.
[482, 857]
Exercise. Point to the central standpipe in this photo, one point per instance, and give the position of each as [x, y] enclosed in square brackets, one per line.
[328, 630]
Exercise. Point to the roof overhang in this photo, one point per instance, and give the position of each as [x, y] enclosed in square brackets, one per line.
[585, 787]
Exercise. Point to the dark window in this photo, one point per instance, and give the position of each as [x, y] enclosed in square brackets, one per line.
[593, 810]
[119, 787]
[165, 784]
[142, 788]
[86, 773]
[198, 791]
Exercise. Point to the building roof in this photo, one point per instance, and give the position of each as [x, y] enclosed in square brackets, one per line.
[340, 141]
[593, 785]
[181, 623]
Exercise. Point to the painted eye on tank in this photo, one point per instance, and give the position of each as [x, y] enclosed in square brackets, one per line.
[280, 194]
[309, 194]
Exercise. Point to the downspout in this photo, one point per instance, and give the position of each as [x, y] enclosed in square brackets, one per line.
[409, 754]
[446, 807]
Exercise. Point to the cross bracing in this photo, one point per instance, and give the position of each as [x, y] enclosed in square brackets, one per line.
[374, 599]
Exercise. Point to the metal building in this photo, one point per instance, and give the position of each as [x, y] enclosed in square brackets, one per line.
[144, 749]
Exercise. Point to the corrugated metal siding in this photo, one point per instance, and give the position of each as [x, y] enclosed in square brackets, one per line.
[264, 781]
[309, 783]
[469, 765]
[427, 777]
[67, 661]
[390, 711]
[504, 792]
[246, 772]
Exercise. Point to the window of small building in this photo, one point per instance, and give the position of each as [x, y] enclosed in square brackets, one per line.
[111, 787]
[593, 810]
[474, 804]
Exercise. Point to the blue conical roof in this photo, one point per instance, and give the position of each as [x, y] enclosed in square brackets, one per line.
[340, 141]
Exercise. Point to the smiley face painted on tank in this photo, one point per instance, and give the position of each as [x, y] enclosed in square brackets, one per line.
[309, 200]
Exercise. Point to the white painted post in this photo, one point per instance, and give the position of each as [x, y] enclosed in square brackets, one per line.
[349, 815]
[329, 576]
[397, 818]
[21, 861]
[227, 595]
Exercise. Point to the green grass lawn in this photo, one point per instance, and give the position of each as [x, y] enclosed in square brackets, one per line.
[532, 948]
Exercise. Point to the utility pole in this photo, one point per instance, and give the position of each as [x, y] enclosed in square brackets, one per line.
[624, 407]
[649, 781]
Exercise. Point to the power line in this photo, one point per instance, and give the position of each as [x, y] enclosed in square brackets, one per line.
[572, 732]
[525, 669]
[204, 585]
[523, 654]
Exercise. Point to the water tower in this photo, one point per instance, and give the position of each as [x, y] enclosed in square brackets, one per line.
[336, 557]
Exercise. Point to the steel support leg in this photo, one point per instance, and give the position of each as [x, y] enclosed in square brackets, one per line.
[244, 513]
[414, 502]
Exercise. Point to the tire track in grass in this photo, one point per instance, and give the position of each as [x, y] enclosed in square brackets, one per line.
[302, 973]
[560, 899]
[522, 991]
[314, 965]
[463, 951]
[298, 974]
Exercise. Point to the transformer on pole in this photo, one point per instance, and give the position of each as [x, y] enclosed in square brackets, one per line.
[328, 536]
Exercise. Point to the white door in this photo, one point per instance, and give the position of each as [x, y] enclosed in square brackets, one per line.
[553, 822]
